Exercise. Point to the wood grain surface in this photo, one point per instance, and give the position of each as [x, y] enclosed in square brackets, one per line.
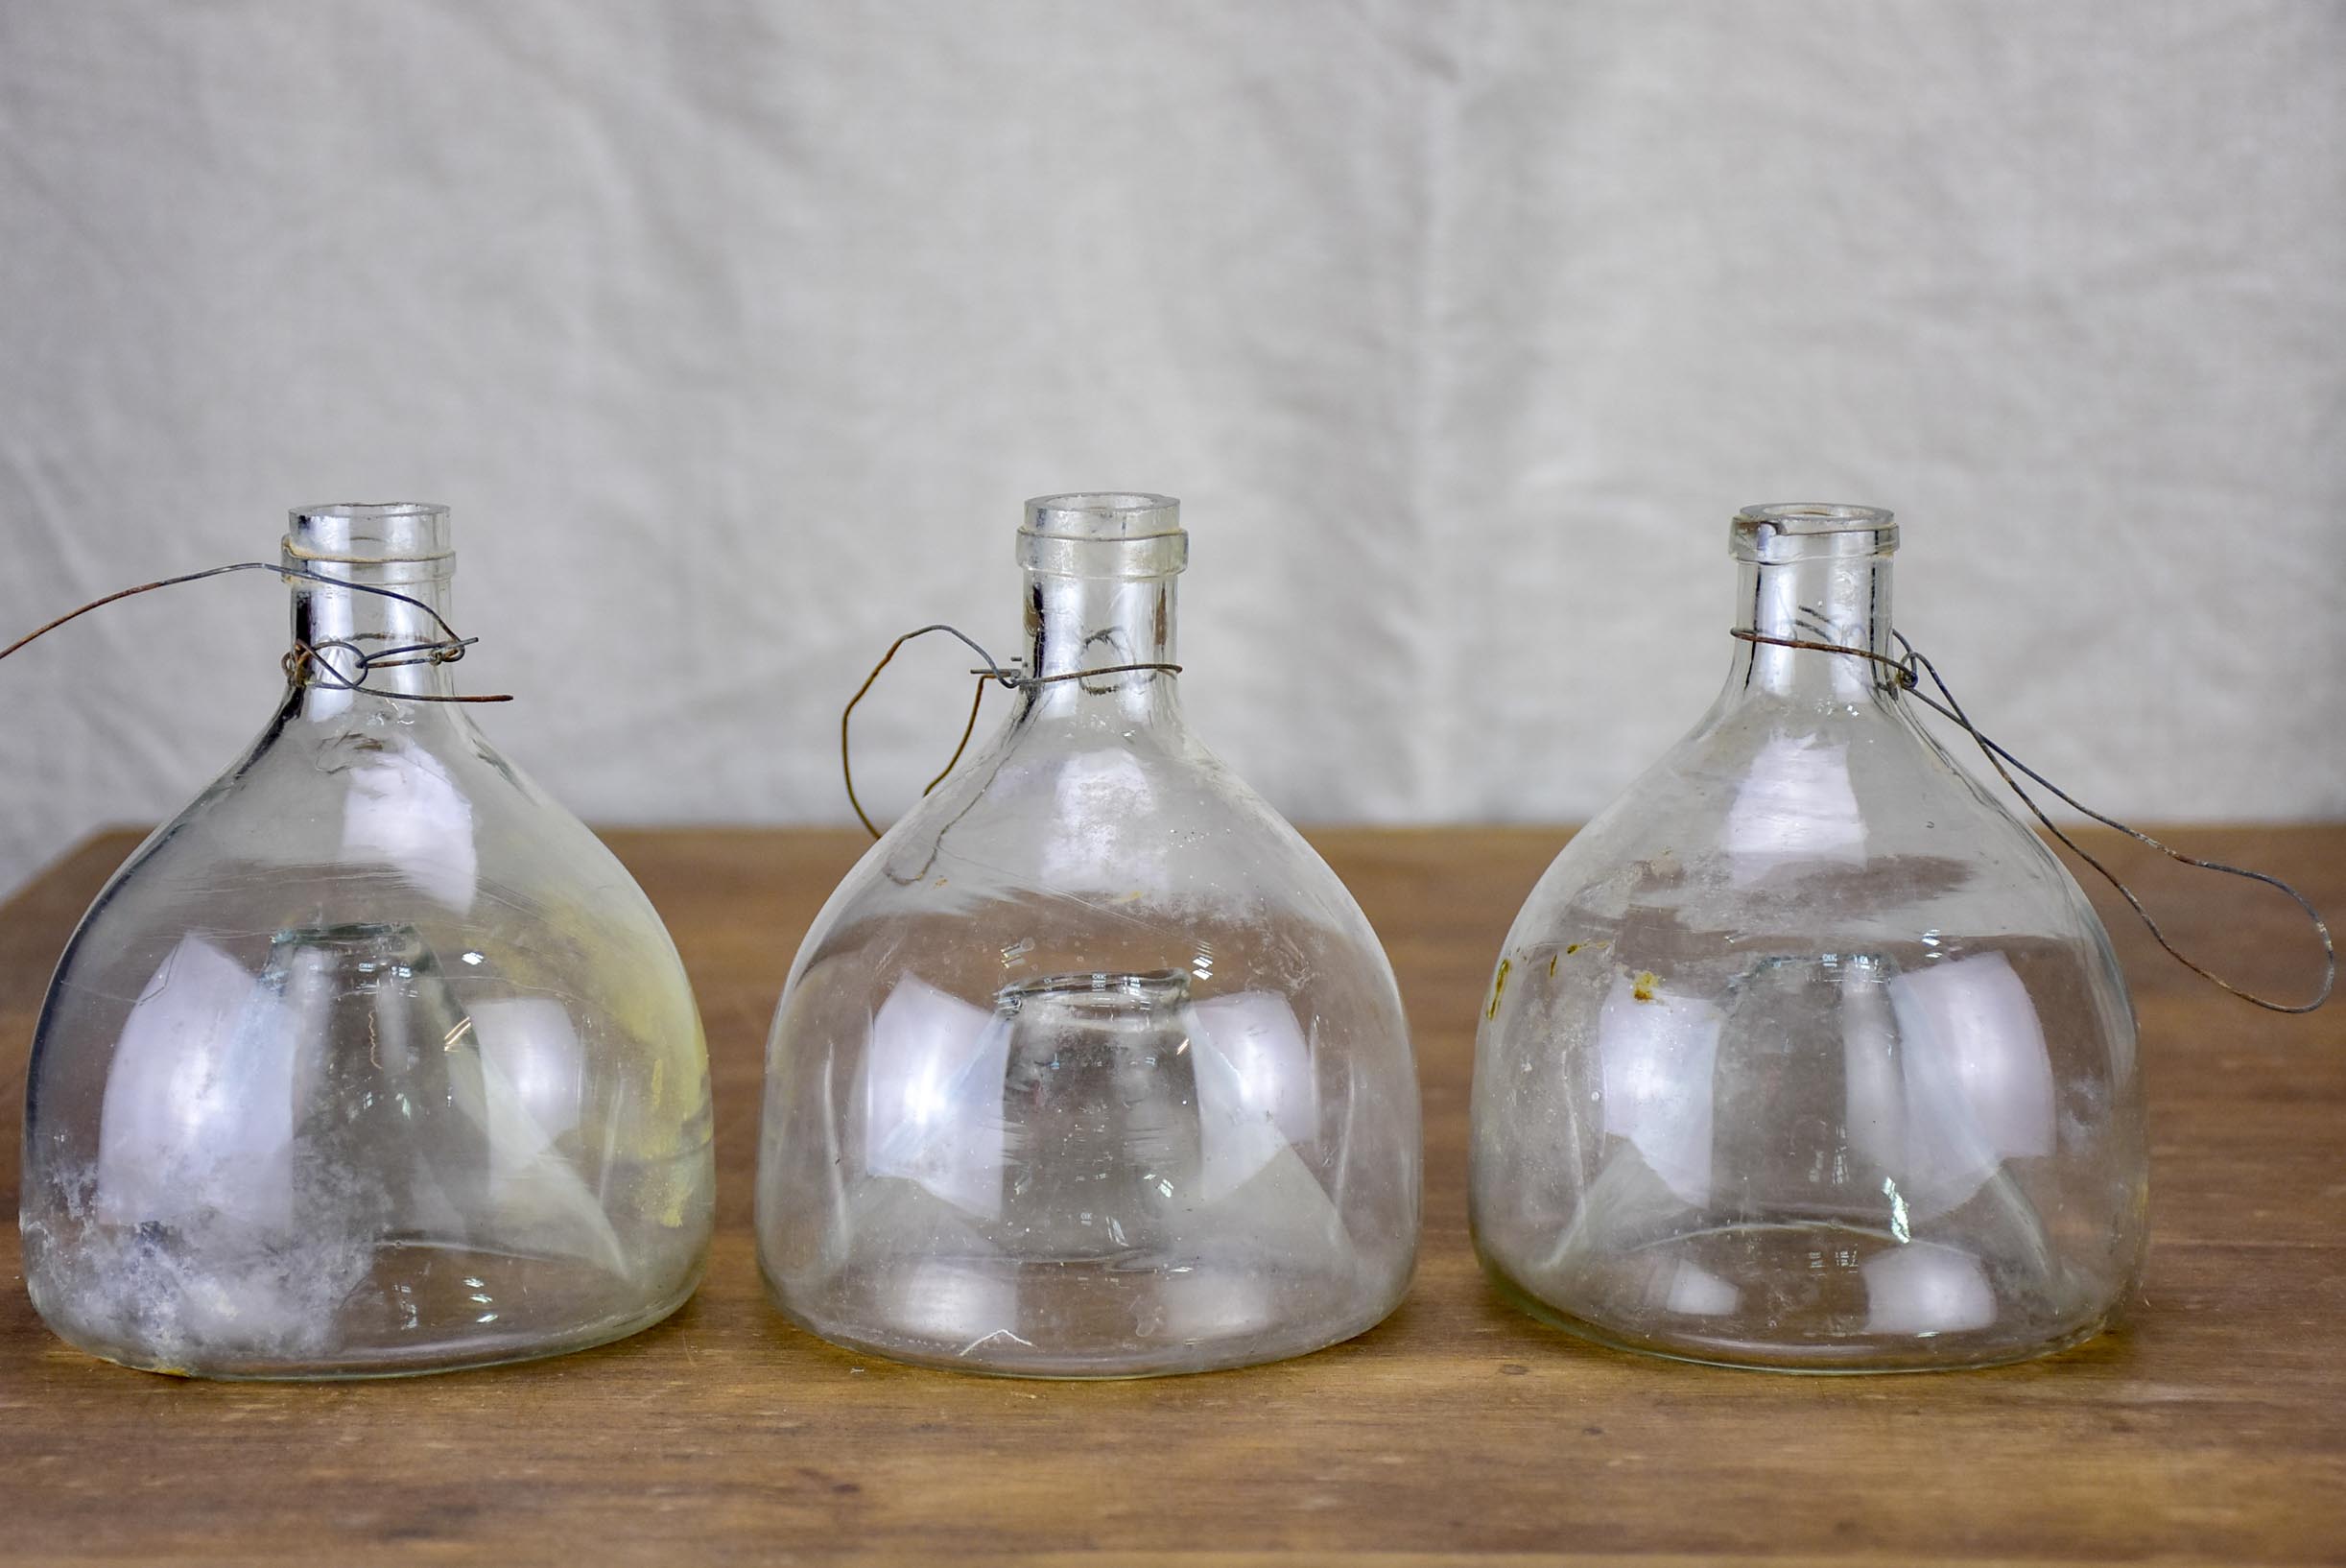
[2212, 1429]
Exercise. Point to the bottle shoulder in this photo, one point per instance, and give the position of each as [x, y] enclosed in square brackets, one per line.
[1105, 810]
[1854, 815]
[1097, 846]
[412, 826]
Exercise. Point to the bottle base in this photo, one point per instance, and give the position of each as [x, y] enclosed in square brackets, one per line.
[1931, 1308]
[978, 1319]
[420, 1284]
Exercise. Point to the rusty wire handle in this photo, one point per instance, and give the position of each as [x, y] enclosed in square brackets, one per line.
[1914, 664]
[992, 671]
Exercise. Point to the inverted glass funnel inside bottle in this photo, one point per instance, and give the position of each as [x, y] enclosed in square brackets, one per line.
[1806, 1053]
[373, 1061]
[1091, 1068]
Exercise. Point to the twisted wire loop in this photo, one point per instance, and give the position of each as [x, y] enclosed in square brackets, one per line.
[992, 672]
[305, 663]
[1913, 665]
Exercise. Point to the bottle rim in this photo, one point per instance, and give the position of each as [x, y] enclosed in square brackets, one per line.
[1816, 516]
[1105, 516]
[1780, 530]
[1106, 534]
[369, 533]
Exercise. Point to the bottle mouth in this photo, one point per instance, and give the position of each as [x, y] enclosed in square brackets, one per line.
[368, 533]
[1124, 534]
[1782, 531]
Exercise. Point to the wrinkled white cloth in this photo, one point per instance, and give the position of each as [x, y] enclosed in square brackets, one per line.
[735, 333]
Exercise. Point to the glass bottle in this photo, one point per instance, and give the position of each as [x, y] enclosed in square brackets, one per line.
[1091, 1067]
[1806, 1053]
[373, 1060]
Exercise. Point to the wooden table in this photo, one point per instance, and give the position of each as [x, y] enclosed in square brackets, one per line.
[2214, 1429]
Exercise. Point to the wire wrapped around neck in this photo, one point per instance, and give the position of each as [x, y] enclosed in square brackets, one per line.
[1912, 665]
[991, 673]
[305, 663]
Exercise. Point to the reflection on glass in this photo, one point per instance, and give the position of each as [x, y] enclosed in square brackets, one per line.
[1794, 808]
[1658, 1053]
[1258, 1097]
[404, 812]
[933, 1086]
[1925, 1290]
[199, 1114]
[1974, 1083]
[1695, 1291]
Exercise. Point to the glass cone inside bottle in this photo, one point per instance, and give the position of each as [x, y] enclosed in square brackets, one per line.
[1091, 1068]
[1099, 1091]
[1806, 1053]
[372, 1060]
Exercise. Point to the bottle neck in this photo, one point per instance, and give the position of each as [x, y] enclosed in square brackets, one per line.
[1842, 599]
[341, 626]
[1088, 623]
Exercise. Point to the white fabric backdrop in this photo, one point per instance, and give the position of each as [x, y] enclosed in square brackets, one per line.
[736, 332]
